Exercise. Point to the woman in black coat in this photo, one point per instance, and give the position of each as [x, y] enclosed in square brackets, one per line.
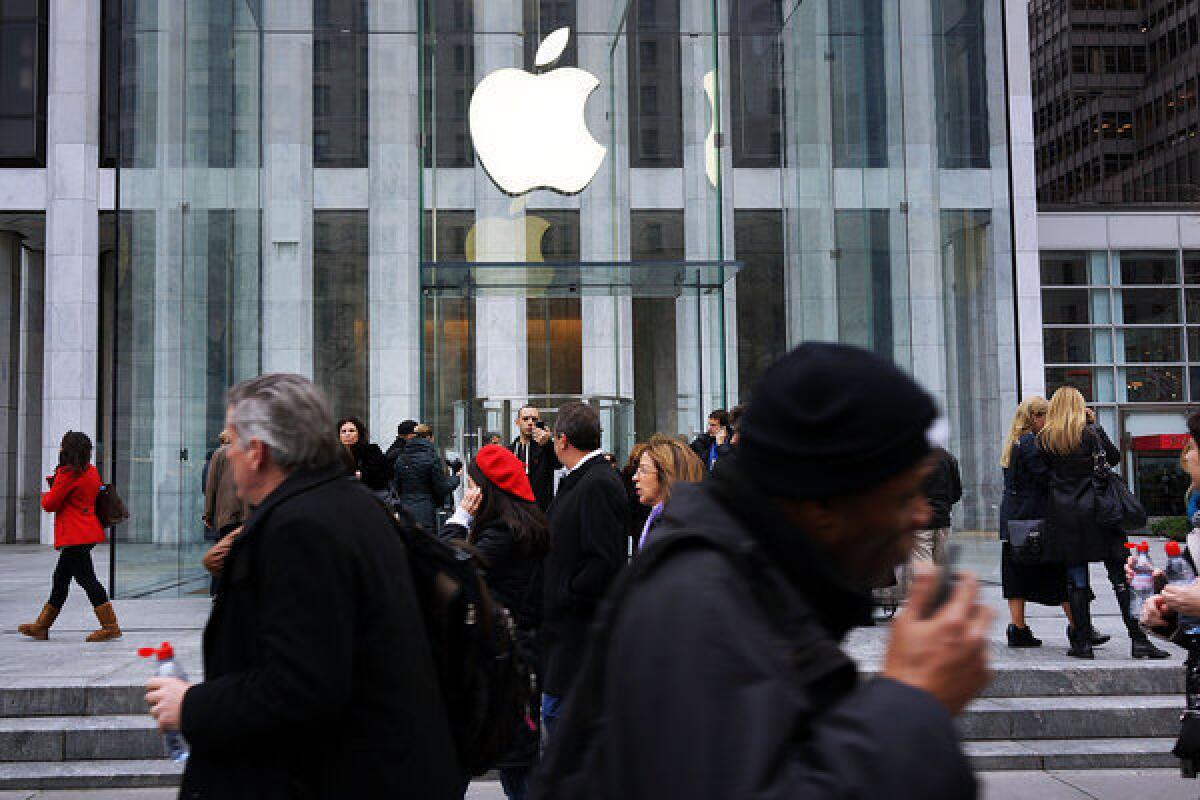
[1069, 442]
[422, 482]
[499, 516]
[362, 459]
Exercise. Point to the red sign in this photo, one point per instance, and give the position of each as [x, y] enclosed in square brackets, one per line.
[1161, 441]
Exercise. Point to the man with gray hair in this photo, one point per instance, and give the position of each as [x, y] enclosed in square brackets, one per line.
[319, 681]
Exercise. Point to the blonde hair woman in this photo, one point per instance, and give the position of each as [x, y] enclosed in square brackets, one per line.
[1025, 486]
[1068, 442]
[664, 463]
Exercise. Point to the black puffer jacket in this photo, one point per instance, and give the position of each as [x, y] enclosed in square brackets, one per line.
[422, 483]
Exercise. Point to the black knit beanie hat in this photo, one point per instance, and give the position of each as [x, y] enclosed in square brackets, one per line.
[831, 419]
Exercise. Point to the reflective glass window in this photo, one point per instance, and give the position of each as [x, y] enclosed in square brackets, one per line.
[1064, 269]
[553, 321]
[23, 74]
[1067, 345]
[960, 76]
[1149, 306]
[1152, 344]
[761, 303]
[341, 335]
[656, 236]
[1081, 378]
[858, 83]
[543, 17]
[448, 75]
[654, 62]
[755, 82]
[1191, 266]
[864, 270]
[340, 108]
[1151, 384]
[1065, 307]
[1152, 269]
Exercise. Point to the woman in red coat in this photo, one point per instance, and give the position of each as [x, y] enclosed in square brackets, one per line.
[72, 500]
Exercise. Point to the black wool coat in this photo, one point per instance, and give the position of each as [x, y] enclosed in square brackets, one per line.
[319, 682]
[512, 572]
[588, 521]
[542, 464]
[1025, 483]
[712, 687]
[1072, 533]
[422, 483]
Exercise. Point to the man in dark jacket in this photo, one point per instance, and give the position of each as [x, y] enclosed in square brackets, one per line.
[715, 670]
[319, 681]
[716, 442]
[943, 488]
[404, 431]
[587, 549]
[534, 447]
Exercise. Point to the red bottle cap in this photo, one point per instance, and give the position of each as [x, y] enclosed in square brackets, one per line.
[164, 653]
[1144, 547]
[1130, 546]
[1172, 549]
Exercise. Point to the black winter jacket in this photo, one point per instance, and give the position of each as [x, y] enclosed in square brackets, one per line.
[512, 572]
[422, 483]
[713, 687]
[319, 682]
[588, 520]
[369, 460]
[702, 447]
[943, 488]
[1072, 534]
[1025, 480]
[542, 462]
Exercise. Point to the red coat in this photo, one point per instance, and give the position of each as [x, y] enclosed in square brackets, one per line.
[72, 500]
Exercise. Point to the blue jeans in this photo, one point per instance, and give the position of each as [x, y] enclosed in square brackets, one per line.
[1078, 576]
[551, 708]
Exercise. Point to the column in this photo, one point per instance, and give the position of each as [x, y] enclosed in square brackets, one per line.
[29, 398]
[501, 349]
[10, 292]
[394, 267]
[287, 189]
[72, 280]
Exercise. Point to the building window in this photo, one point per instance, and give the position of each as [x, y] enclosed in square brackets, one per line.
[755, 82]
[762, 335]
[960, 76]
[23, 88]
[448, 77]
[656, 236]
[654, 59]
[543, 17]
[340, 321]
[554, 318]
[858, 83]
[864, 280]
[340, 52]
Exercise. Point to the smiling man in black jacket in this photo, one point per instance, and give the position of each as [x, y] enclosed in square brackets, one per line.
[588, 518]
[715, 669]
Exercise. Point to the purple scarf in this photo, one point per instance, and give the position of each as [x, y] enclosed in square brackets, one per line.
[654, 515]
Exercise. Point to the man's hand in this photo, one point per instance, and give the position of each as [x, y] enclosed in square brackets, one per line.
[946, 653]
[1154, 612]
[1160, 577]
[1091, 416]
[1182, 599]
[541, 436]
[165, 698]
[722, 436]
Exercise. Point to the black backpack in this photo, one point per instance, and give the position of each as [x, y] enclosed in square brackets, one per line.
[488, 685]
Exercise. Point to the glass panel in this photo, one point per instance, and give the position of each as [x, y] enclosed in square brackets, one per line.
[1067, 345]
[1153, 269]
[1191, 266]
[1064, 269]
[961, 80]
[657, 236]
[1194, 377]
[543, 17]
[1192, 301]
[448, 349]
[754, 80]
[865, 295]
[1064, 306]
[1098, 261]
[1152, 344]
[341, 330]
[1161, 484]
[553, 325]
[1149, 306]
[1151, 384]
[1081, 378]
[340, 108]
[448, 72]
[1101, 306]
[761, 306]
[1102, 346]
[23, 65]
[655, 74]
[858, 83]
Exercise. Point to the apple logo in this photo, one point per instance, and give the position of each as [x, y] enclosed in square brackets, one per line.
[529, 129]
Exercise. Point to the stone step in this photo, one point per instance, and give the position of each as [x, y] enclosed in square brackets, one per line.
[1028, 718]
[1073, 754]
[1070, 678]
[69, 701]
[122, 774]
[79, 738]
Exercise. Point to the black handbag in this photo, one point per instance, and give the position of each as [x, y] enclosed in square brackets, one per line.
[1115, 505]
[1026, 540]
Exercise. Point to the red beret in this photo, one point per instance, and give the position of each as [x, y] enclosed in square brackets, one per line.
[505, 470]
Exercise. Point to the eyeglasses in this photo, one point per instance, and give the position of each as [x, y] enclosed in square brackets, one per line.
[642, 470]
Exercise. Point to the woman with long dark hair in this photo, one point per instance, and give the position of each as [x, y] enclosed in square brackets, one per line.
[499, 516]
[72, 499]
[363, 459]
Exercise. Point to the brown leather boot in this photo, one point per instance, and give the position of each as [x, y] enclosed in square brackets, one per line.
[40, 630]
[108, 625]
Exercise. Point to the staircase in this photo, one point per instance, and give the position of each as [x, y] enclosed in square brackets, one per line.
[74, 737]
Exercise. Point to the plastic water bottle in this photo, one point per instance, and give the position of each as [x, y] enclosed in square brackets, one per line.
[1142, 586]
[1179, 571]
[168, 667]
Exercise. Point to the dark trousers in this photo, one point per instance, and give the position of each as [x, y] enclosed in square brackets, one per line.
[76, 562]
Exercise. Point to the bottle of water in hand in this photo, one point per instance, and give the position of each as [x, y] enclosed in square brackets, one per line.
[1180, 572]
[1141, 588]
[168, 667]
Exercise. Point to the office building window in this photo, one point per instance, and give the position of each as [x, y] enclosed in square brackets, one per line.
[543, 17]
[961, 80]
[128, 83]
[340, 247]
[858, 83]
[755, 81]
[656, 236]
[654, 62]
[448, 79]
[340, 52]
[23, 73]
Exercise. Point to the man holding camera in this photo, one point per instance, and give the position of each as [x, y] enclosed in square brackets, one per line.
[534, 447]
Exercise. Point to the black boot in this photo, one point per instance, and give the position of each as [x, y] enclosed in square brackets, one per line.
[1080, 634]
[1022, 637]
[1141, 646]
[1099, 638]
